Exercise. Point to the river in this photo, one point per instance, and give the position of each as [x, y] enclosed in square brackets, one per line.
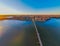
[22, 33]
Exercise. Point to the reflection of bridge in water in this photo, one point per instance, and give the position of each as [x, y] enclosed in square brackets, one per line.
[36, 38]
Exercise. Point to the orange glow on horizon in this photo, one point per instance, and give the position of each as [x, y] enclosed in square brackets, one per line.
[2, 17]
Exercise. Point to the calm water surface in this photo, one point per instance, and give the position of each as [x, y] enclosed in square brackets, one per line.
[10, 29]
[49, 32]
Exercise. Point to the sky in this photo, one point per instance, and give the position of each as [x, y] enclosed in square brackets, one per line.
[29, 6]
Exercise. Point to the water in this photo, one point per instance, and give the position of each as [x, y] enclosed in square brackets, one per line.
[22, 33]
[49, 32]
[17, 33]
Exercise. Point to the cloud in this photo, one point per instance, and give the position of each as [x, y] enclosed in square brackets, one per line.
[4, 9]
[23, 9]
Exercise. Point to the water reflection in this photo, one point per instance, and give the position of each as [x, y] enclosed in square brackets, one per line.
[49, 32]
[12, 32]
[16, 32]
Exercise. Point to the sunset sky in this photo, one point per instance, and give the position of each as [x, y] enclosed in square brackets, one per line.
[29, 6]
